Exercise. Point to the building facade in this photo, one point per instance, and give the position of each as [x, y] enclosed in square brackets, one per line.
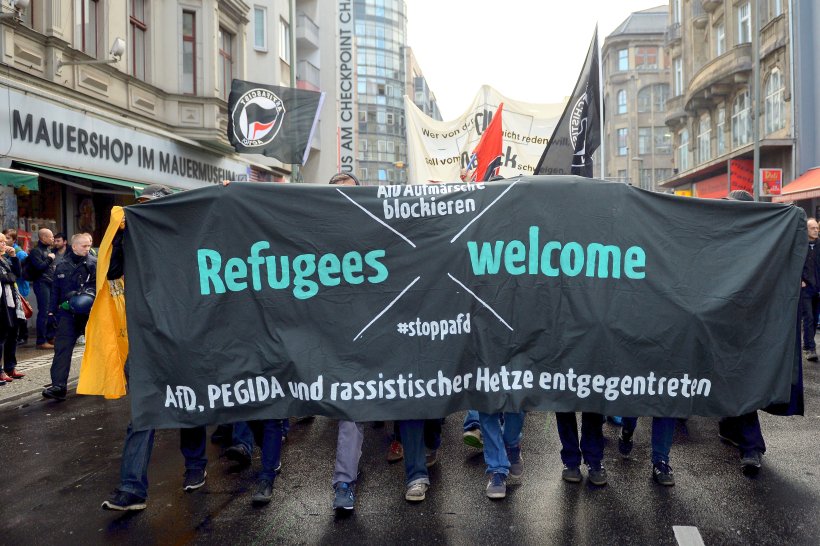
[636, 73]
[105, 97]
[712, 111]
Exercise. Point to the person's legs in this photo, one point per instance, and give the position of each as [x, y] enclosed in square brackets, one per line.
[592, 438]
[568, 434]
[242, 436]
[42, 293]
[663, 431]
[9, 349]
[751, 437]
[64, 341]
[192, 444]
[136, 454]
[808, 311]
[471, 420]
[270, 436]
[513, 429]
[495, 454]
[348, 452]
[412, 438]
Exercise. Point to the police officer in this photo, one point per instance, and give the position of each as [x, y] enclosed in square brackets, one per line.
[75, 281]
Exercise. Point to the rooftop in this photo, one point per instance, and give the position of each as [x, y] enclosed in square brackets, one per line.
[648, 21]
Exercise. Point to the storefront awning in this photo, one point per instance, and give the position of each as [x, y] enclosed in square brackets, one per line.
[806, 186]
[716, 187]
[18, 179]
[92, 177]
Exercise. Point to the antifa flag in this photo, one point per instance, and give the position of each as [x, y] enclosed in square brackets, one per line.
[273, 121]
[578, 133]
[414, 302]
[486, 158]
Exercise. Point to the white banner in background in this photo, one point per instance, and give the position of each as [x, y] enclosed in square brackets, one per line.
[440, 150]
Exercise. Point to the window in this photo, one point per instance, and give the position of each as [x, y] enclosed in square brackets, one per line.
[86, 14]
[661, 94]
[741, 122]
[720, 127]
[663, 174]
[622, 177]
[646, 179]
[363, 173]
[362, 116]
[744, 23]
[683, 150]
[652, 98]
[704, 138]
[225, 41]
[775, 107]
[623, 59]
[391, 118]
[720, 39]
[284, 40]
[189, 52]
[139, 29]
[777, 8]
[622, 144]
[260, 28]
[646, 58]
[381, 117]
[677, 65]
[663, 141]
[644, 140]
[622, 102]
[645, 99]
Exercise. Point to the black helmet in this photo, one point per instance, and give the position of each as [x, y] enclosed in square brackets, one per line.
[81, 302]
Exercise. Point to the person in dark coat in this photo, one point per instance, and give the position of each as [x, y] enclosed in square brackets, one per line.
[9, 306]
[41, 272]
[810, 291]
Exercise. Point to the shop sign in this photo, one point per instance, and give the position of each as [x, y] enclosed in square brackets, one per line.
[741, 175]
[772, 180]
[43, 132]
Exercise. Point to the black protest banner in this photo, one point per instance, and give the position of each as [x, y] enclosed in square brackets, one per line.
[553, 293]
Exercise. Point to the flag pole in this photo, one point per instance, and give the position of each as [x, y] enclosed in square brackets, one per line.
[602, 147]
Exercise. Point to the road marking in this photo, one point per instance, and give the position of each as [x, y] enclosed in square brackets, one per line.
[44, 360]
[687, 535]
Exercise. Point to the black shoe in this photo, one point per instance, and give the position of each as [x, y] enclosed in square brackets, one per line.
[750, 463]
[662, 473]
[625, 442]
[571, 474]
[597, 475]
[263, 493]
[194, 479]
[238, 454]
[123, 501]
[55, 393]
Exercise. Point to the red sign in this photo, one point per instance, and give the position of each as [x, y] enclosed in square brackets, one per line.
[741, 175]
[772, 180]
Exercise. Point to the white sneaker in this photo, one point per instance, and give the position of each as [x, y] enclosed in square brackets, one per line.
[416, 492]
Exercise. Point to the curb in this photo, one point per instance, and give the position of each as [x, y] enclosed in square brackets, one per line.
[31, 393]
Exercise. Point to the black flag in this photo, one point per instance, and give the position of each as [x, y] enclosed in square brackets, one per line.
[577, 135]
[273, 121]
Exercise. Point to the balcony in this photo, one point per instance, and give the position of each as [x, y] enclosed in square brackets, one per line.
[699, 16]
[308, 76]
[711, 5]
[718, 77]
[307, 32]
[673, 33]
[675, 114]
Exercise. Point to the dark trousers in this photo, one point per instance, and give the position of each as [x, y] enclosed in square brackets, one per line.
[69, 328]
[591, 445]
[809, 307]
[42, 291]
[745, 431]
[663, 432]
[8, 346]
[268, 436]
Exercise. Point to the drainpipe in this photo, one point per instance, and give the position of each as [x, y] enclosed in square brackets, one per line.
[793, 93]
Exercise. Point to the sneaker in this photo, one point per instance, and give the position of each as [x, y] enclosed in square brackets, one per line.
[344, 497]
[750, 463]
[597, 475]
[662, 473]
[472, 438]
[810, 354]
[430, 457]
[55, 393]
[395, 452]
[81, 340]
[122, 501]
[625, 442]
[416, 492]
[194, 479]
[263, 493]
[516, 464]
[497, 486]
[238, 454]
[571, 474]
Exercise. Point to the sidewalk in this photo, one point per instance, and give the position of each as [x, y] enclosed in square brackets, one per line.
[36, 364]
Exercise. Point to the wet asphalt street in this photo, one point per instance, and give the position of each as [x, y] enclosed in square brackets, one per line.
[61, 460]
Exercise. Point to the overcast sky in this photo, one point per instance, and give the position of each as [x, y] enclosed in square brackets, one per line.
[529, 50]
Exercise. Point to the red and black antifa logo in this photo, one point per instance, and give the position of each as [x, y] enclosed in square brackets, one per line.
[257, 117]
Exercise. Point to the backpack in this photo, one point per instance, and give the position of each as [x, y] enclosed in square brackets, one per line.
[29, 274]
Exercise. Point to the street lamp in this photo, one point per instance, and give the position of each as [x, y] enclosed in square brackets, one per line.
[16, 15]
[117, 51]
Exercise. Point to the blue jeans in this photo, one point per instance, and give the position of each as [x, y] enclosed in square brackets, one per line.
[592, 439]
[663, 430]
[268, 435]
[42, 292]
[500, 438]
[242, 436]
[136, 454]
[471, 421]
[415, 436]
